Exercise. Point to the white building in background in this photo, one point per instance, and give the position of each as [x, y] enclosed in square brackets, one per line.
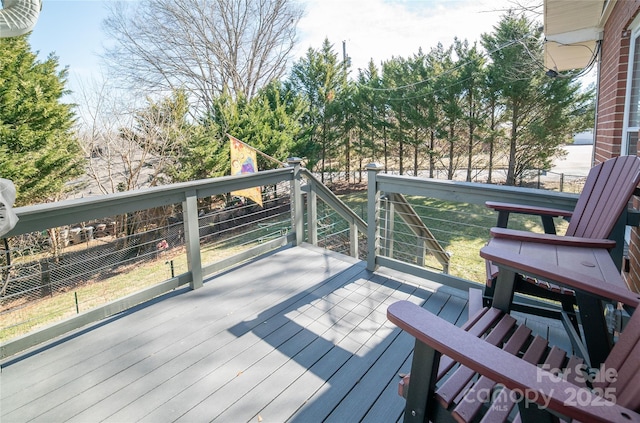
[583, 138]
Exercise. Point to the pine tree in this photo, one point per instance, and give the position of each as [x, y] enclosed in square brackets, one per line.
[472, 79]
[319, 78]
[268, 122]
[38, 149]
[541, 113]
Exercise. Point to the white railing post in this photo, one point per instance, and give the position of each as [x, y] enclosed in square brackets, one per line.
[192, 238]
[389, 225]
[353, 239]
[312, 214]
[297, 215]
[373, 215]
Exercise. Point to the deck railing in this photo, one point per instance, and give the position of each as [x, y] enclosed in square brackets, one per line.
[74, 262]
[453, 220]
[457, 220]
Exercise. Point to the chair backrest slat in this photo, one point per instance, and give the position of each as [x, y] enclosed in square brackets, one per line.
[606, 193]
[628, 394]
[622, 367]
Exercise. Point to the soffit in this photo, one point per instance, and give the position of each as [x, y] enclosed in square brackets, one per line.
[572, 29]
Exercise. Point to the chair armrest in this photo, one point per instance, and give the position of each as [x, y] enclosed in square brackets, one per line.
[540, 386]
[551, 239]
[519, 208]
[561, 275]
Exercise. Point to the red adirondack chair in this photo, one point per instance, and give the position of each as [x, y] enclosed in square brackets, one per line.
[493, 368]
[606, 194]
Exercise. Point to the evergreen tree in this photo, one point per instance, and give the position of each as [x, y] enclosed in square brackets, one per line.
[270, 122]
[38, 149]
[494, 114]
[319, 78]
[418, 85]
[368, 101]
[472, 79]
[542, 113]
[395, 78]
[448, 95]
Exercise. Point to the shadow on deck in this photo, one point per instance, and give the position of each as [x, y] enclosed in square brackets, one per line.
[300, 335]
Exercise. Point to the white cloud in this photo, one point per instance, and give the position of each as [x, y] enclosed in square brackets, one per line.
[381, 29]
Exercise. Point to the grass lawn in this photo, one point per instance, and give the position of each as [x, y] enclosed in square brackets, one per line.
[462, 229]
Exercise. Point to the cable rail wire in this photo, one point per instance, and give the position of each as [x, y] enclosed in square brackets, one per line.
[460, 229]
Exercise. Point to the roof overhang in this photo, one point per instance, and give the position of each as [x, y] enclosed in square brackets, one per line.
[572, 29]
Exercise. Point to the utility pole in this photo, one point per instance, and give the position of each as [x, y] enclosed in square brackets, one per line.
[344, 55]
[344, 51]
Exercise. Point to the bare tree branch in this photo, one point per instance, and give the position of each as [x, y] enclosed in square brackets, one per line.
[201, 46]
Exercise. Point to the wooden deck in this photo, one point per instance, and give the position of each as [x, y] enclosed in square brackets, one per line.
[297, 336]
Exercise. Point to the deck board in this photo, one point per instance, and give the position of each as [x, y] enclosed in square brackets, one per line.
[300, 335]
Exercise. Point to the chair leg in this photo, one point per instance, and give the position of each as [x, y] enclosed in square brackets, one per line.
[503, 291]
[548, 225]
[596, 335]
[503, 219]
[424, 370]
[568, 307]
[487, 295]
[531, 412]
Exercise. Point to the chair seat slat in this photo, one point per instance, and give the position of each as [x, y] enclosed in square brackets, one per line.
[477, 328]
[468, 406]
[519, 372]
[456, 382]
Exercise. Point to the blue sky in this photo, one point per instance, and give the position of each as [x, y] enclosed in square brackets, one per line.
[71, 30]
[372, 29]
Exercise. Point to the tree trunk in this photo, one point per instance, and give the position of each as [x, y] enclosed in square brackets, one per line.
[432, 158]
[450, 170]
[401, 154]
[347, 167]
[511, 171]
[373, 134]
[360, 160]
[471, 130]
[415, 152]
[470, 153]
[491, 138]
[324, 149]
[386, 151]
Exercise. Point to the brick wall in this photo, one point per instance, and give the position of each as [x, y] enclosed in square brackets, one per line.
[611, 97]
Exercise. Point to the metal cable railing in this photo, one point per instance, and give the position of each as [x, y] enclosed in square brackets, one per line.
[62, 271]
[458, 229]
[334, 232]
[98, 256]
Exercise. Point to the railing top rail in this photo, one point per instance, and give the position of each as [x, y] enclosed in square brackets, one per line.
[48, 215]
[474, 192]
